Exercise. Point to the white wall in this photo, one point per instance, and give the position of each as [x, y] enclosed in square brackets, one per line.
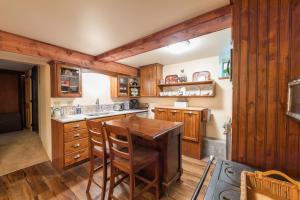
[94, 85]
[220, 105]
[45, 108]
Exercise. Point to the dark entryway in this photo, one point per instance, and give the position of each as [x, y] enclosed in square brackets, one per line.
[18, 97]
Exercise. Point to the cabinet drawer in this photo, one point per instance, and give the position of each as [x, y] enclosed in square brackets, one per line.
[104, 119]
[76, 156]
[75, 135]
[74, 126]
[76, 145]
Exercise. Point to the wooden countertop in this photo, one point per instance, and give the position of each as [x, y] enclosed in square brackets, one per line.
[187, 108]
[150, 129]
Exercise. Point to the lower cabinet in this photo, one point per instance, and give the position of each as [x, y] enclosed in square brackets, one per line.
[194, 127]
[70, 144]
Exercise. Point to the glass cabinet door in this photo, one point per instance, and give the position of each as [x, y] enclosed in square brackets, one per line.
[123, 86]
[70, 81]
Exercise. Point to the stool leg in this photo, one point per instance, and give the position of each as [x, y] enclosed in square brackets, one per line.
[104, 178]
[112, 182]
[157, 192]
[91, 173]
[131, 186]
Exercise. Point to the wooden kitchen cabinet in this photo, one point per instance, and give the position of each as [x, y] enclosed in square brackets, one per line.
[150, 76]
[174, 115]
[66, 80]
[194, 120]
[161, 114]
[120, 86]
[191, 127]
[70, 145]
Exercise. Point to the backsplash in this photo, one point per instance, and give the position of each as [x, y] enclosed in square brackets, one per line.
[85, 109]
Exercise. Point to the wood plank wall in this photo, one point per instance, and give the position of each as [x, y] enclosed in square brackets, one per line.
[9, 93]
[266, 37]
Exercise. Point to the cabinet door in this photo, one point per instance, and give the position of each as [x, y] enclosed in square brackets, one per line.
[191, 121]
[174, 115]
[123, 90]
[161, 114]
[149, 77]
[66, 80]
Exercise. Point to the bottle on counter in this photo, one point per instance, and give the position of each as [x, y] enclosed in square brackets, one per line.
[78, 110]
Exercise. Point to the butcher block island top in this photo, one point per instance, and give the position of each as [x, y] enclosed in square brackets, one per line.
[162, 136]
[146, 128]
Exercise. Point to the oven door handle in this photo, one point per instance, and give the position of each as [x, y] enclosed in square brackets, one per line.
[200, 184]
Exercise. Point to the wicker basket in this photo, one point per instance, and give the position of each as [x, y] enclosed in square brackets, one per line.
[258, 185]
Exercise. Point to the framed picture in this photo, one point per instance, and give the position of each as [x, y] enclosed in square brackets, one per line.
[201, 76]
[171, 79]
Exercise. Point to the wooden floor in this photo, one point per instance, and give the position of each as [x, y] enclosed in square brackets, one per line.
[43, 182]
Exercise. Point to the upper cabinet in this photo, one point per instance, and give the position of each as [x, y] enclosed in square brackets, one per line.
[124, 86]
[65, 80]
[150, 76]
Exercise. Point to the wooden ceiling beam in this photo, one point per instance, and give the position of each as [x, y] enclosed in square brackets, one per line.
[213, 21]
[18, 44]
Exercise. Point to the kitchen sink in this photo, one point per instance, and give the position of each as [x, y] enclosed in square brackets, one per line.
[98, 114]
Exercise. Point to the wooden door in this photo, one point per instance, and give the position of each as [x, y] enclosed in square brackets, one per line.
[174, 115]
[161, 114]
[191, 121]
[28, 103]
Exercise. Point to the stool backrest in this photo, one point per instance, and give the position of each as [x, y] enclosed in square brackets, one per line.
[120, 144]
[97, 137]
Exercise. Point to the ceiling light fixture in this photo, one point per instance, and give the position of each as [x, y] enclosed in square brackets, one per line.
[179, 47]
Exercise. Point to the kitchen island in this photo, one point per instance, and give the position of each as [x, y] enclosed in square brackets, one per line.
[164, 137]
[70, 145]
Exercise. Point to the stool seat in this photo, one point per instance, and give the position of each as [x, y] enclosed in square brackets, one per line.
[141, 157]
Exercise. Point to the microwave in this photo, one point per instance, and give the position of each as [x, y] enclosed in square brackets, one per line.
[293, 109]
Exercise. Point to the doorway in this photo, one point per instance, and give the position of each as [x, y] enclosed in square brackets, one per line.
[20, 143]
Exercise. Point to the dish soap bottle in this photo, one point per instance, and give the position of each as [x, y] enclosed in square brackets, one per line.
[78, 110]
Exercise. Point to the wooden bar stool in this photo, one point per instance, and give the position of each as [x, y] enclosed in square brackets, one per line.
[130, 159]
[98, 149]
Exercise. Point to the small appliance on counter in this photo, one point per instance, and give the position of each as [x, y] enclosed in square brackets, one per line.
[126, 105]
[118, 106]
[181, 103]
[134, 104]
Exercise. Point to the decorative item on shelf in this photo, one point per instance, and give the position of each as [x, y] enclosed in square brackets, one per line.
[134, 91]
[171, 79]
[162, 81]
[182, 76]
[201, 76]
[134, 87]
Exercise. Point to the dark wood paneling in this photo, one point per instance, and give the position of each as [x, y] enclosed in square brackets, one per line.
[9, 93]
[266, 36]
[213, 21]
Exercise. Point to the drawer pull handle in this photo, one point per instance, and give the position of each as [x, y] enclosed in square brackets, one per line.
[76, 145]
[77, 135]
[77, 156]
[190, 113]
[173, 111]
[76, 126]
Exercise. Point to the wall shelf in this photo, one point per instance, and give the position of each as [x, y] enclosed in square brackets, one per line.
[188, 83]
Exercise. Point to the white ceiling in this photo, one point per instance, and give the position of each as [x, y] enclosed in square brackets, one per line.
[96, 26]
[15, 66]
[201, 47]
